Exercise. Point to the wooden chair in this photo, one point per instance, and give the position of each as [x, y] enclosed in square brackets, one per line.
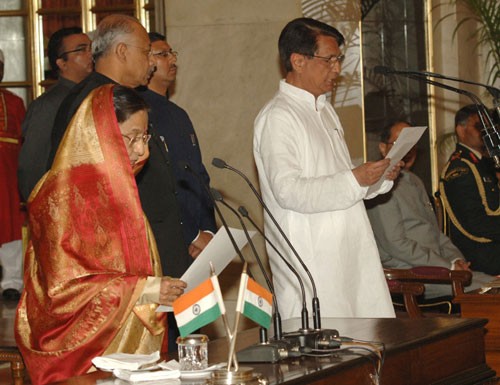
[399, 281]
[11, 354]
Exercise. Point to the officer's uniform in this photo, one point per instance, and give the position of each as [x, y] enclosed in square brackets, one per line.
[471, 195]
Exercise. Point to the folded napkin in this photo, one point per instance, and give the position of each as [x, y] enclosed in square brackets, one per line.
[146, 375]
[126, 361]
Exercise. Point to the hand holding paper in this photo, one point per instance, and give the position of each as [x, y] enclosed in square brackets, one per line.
[408, 137]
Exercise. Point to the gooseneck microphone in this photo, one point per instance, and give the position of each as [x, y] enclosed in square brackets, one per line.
[490, 135]
[494, 92]
[304, 314]
[304, 338]
[219, 163]
[277, 319]
[185, 166]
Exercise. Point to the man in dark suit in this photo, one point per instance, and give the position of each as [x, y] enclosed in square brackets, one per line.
[176, 142]
[469, 187]
[71, 60]
[173, 126]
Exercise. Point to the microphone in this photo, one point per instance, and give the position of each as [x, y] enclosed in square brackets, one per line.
[265, 351]
[383, 70]
[219, 163]
[491, 137]
[185, 166]
[304, 336]
[277, 324]
[304, 313]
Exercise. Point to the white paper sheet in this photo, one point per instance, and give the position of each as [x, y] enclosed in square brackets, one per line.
[219, 251]
[408, 137]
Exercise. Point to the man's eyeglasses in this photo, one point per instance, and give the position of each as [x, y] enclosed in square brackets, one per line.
[331, 60]
[166, 53]
[137, 139]
[145, 51]
[80, 48]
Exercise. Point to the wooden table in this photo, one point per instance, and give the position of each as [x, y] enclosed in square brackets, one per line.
[475, 305]
[418, 351]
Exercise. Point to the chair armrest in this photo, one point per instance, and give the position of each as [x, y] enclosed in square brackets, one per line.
[409, 291]
[432, 274]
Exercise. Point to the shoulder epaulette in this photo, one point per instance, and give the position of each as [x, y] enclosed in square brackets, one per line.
[456, 173]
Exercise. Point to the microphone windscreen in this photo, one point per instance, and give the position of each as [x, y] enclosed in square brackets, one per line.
[219, 163]
[216, 194]
[243, 211]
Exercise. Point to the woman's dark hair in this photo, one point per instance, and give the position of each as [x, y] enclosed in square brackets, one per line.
[300, 35]
[127, 102]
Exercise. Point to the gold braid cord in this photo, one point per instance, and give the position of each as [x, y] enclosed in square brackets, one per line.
[484, 201]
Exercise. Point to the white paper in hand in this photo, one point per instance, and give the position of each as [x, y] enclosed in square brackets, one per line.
[219, 252]
[408, 137]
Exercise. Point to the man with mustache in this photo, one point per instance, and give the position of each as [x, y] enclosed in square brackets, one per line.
[70, 57]
[309, 183]
[122, 54]
[171, 125]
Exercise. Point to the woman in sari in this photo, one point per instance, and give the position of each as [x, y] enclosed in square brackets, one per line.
[92, 276]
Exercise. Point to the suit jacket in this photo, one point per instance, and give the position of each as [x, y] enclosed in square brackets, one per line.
[407, 233]
[156, 191]
[471, 195]
[172, 123]
[37, 128]
[158, 198]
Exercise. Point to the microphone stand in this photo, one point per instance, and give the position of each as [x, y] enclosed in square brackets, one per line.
[186, 166]
[305, 338]
[219, 163]
[491, 136]
[264, 351]
[277, 324]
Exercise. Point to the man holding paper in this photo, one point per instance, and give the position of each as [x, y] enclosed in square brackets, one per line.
[309, 183]
[405, 224]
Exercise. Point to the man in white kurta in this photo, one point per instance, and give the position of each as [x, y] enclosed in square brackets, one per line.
[310, 185]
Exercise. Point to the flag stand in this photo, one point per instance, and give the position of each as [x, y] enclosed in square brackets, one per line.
[237, 375]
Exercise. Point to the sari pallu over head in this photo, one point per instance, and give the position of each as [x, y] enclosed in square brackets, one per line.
[89, 257]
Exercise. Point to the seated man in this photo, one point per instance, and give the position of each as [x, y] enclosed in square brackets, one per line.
[406, 228]
[471, 195]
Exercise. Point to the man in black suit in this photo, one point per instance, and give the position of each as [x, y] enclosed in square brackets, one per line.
[173, 126]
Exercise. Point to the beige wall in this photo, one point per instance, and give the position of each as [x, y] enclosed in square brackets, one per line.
[458, 56]
[228, 69]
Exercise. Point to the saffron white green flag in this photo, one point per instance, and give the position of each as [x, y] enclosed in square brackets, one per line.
[196, 308]
[254, 301]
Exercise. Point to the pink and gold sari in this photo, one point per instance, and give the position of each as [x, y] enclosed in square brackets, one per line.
[90, 254]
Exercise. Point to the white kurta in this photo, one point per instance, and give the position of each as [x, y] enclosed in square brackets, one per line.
[306, 181]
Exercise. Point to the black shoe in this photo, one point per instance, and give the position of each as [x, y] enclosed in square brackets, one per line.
[11, 295]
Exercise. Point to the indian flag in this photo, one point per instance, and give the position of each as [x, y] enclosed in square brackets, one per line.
[254, 301]
[196, 308]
